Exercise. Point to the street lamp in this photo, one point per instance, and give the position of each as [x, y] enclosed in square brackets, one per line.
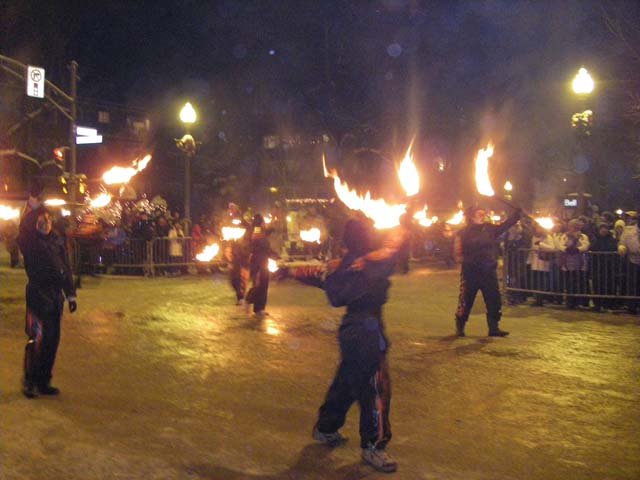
[581, 122]
[583, 83]
[187, 144]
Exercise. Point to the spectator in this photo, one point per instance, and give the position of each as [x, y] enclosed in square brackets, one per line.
[539, 260]
[573, 266]
[175, 236]
[629, 247]
[603, 267]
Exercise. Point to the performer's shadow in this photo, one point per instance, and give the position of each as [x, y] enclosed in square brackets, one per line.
[314, 462]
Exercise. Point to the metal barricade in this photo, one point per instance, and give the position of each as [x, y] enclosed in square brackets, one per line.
[596, 275]
[134, 256]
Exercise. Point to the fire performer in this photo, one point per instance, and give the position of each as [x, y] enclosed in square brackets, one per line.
[237, 254]
[50, 281]
[475, 249]
[259, 266]
[359, 281]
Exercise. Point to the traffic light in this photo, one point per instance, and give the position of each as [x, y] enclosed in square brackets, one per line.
[59, 155]
[82, 183]
[64, 185]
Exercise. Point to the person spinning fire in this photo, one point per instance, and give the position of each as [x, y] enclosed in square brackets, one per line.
[475, 248]
[50, 281]
[359, 281]
[237, 254]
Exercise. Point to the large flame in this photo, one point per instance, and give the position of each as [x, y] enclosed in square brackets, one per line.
[8, 213]
[208, 253]
[423, 219]
[273, 266]
[124, 174]
[483, 183]
[311, 235]
[408, 174]
[383, 214]
[232, 233]
[457, 218]
[545, 222]
[100, 201]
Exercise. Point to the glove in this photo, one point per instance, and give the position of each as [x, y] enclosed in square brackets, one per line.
[73, 306]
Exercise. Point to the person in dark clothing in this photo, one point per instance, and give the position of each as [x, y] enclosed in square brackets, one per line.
[360, 281]
[50, 281]
[603, 267]
[259, 266]
[475, 248]
[237, 254]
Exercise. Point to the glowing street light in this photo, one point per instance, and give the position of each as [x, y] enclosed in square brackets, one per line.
[583, 84]
[187, 144]
[188, 114]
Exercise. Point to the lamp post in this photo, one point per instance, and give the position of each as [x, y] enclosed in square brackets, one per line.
[187, 145]
[581, 122]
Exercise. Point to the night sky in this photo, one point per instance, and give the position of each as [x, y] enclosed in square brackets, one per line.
[450, 73]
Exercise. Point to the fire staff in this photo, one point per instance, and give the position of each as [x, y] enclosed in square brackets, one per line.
[475, 248]
[50, 281]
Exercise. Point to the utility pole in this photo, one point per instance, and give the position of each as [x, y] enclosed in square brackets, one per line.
[72, 128]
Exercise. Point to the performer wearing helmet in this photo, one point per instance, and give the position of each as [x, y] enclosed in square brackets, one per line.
[475, 248]
[50, 281]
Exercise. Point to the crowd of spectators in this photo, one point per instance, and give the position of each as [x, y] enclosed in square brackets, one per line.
[593, 257]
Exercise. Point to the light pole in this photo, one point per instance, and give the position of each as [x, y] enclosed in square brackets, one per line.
[187, 144]
[582, 85]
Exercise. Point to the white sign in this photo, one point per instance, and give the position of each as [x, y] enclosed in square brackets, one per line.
[88, 139]
[35, 82]
[86, 131]
[86, 135]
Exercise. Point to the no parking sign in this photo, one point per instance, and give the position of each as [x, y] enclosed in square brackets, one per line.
[35, 82]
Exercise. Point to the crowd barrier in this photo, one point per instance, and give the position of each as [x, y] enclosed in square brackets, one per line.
[597, 275]
[135, 256]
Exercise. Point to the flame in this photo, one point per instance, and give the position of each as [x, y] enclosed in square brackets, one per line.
[408, 174]
[545, 222]
[208, 253]
[483, 183]
[55, 202]
[8, 213]
[383, 214]
[423, 219]
[311, 235]
[233, 233]
[124, 174]
[457, 218]
[100, 201]
[273, 266]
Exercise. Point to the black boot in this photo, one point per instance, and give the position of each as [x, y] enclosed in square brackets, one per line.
[496, 332]
[29, 389]
[459, 327]
[47, 389]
